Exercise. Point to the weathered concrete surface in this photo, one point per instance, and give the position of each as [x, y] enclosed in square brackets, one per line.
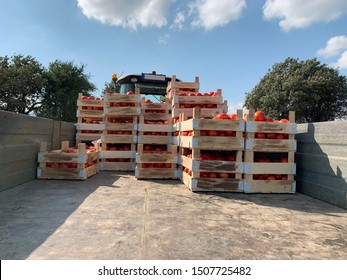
[114, 216]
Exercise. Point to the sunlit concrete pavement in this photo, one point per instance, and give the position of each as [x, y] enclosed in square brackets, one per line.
[114, 216]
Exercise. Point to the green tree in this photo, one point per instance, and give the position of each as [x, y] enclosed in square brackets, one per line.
[64, 81]
[21, 84]
[313, 90]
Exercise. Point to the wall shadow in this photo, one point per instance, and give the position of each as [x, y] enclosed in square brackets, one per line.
[30, 213]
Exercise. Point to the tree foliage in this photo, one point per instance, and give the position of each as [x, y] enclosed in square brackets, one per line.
[64, 81]
[313, 90]
[27, 87]
[22, 83]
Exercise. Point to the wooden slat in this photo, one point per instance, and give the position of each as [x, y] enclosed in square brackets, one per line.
[211, 184]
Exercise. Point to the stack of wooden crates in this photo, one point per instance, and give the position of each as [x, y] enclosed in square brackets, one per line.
[119, 138]
[156, 156]
[178, 138]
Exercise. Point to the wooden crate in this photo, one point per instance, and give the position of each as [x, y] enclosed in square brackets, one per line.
[205, 112]
[155, 111]
[110, 159]
[147, 164]
[122, 132]
[210, 101]
[89, 131]
[196, 171]
[67, 163]
[174, 87]
[211, 184]
[117, 104]
[87, 108]
[254, 171]
[196, 125]
[160, 133]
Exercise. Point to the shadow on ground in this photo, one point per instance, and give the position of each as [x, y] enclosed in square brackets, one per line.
[33, 211]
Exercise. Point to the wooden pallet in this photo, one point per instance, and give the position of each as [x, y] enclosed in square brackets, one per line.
[147, 164]
[270, 147]
[73, 166]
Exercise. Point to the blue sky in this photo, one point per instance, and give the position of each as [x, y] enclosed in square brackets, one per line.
[229, 44]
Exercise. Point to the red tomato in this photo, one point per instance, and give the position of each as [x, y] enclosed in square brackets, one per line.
[233, 117]
[130, 93]
[260, 135]
[284, 121]
[221, 116]
[223, 175]
[212, 175]
[271, 135]
[212, 133]
[259, 116]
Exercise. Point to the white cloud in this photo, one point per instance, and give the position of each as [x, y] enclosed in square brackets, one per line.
[341, 62]
[212, 13]
[163, 40]
[334, 46]
[178, 21]
[233, 107]
[127, 13]
[303, 13]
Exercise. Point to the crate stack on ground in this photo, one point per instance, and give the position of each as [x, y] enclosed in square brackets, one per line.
[211, 152]
[269, 154]
[89, 125]
[184, 96]
[119, 138]
[156, 157]
[156, 161]
[67, 163]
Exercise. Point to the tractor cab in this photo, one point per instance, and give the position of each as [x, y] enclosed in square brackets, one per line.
[152, 85]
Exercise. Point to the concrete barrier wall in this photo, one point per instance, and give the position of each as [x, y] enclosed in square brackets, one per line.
[20, 137]
[322, 161]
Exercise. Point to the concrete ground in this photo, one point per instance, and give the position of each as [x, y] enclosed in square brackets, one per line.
[115, 216]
